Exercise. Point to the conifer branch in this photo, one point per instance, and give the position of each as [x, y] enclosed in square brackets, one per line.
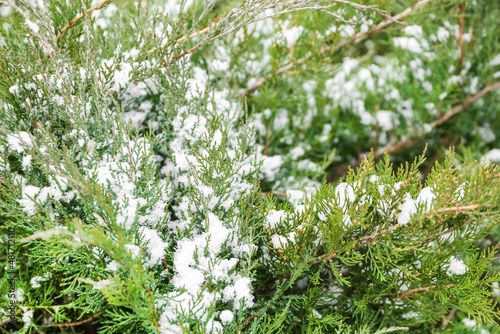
[79, 17]
[401, 16]
[364, 241]
[427, 288]
[458, 208]
[162, 222]
[449, 230]
[282, 4]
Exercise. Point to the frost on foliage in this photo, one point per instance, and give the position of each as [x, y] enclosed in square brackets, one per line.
[204, 235]
[407, 209]
[102, 284]
[409, 206]
[205, 172]
[57, 191]
[19, 141]
[226, 316]
[426, 197]
[114, 173]
[344, 194]
[35, 281]
[456, 267]
[27, 317]
[274, 217]
[155, 245]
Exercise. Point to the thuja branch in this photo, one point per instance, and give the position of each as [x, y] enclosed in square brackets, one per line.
[459, 208]
[451, 229]
[461, 36]
[79, 17]
[368, 239]
[427, 288]
[45, 235]
[410, 141]
[364, 241]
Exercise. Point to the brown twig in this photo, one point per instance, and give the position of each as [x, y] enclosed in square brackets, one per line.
[290, 10]
[368, 239]
[451, 229]
[173, 58]
[79, 17]
[26, 18]
[401, 16]
[427, 288]
[281, 4]
[459, 208]
[77, 323]
[446, 321]
[404, 144]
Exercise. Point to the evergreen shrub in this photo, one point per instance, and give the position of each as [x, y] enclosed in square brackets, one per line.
[254, 166]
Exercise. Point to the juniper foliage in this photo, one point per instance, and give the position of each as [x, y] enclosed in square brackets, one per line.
[163, 166]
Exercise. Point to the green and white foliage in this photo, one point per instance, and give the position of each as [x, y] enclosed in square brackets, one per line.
[163, 163]
[377, 240]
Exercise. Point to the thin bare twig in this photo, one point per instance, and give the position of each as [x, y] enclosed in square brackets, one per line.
[401, 16]
[459, 208]
[451, 229]
[281, 4]
[77, 323]
[372, 8]
[427, 288]
[417, 138]
[366, 240]
[269, 193]
[173, 58]
[79, 17]
[289, 10]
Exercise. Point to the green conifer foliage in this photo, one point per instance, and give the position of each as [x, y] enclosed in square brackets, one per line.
[249, 166]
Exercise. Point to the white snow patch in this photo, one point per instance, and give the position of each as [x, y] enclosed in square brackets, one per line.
[456, 267]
